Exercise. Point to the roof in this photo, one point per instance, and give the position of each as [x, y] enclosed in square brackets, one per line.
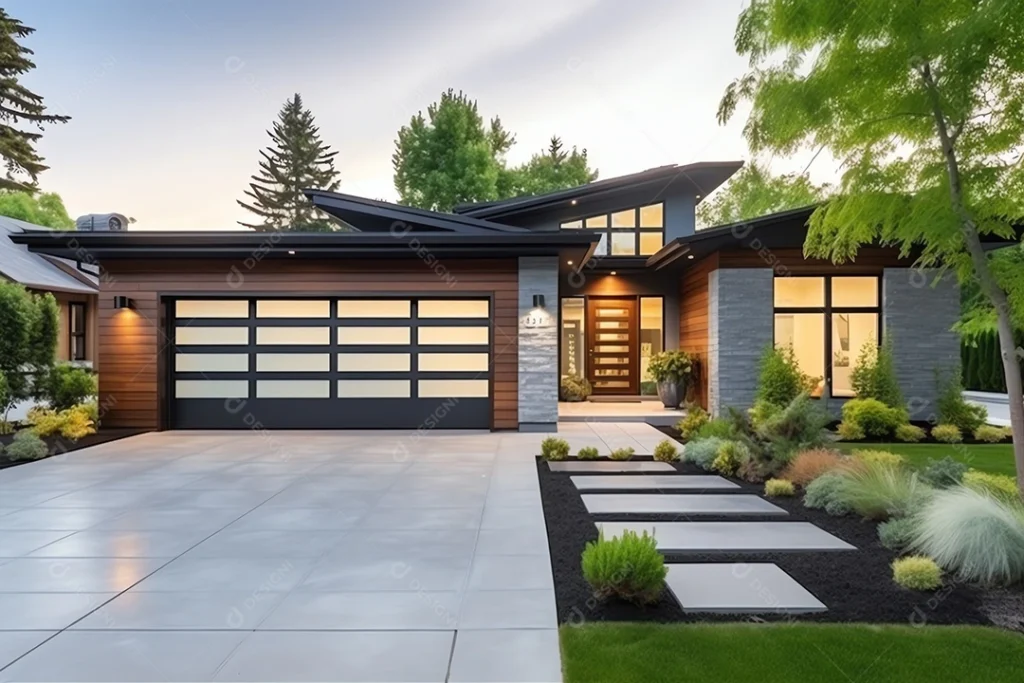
[374, 215]
[36, 271]
[704, 177]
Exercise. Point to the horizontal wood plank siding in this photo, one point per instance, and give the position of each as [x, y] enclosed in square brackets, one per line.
[693, 320]
[133, 346]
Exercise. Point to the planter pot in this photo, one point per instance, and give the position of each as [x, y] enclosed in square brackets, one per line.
[672, 394]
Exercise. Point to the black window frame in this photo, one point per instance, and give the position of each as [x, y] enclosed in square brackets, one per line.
[608, 230]
[74, 334]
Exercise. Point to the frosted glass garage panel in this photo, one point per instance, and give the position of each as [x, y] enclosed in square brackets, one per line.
[454, 388]
[293, 362]
[453, 362]
[211, 388]
[453, 335]
[293, 308]
[226, 308]
[293, 336]
[211, 336]
[374, 362]
[211, 362]
[377, 388]
[293, 388]
[374, 308]
[370, 336]
[454, 308]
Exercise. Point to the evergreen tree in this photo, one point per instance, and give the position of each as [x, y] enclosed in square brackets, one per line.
[297, 160]
[551, 170]
[19, 104]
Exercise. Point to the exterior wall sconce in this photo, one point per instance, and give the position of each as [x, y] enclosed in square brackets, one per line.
[123, 302]
[538, 301]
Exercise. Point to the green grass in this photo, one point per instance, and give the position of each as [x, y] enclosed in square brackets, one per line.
[995, 458]
[788, 653]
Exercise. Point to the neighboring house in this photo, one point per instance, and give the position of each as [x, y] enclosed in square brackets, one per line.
[467, 320]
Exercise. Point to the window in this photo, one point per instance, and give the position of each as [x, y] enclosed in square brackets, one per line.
[572, 360]
[76, 328]
[632, 232]
[651, 338]
[826, 321]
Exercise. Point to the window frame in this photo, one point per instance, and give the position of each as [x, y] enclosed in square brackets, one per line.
[74, 334]
[608, 229]
[827, 311]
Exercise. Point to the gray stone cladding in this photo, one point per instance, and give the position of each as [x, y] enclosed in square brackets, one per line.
[538, 344]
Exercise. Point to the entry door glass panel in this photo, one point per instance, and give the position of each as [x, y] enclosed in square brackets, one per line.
[613, 350]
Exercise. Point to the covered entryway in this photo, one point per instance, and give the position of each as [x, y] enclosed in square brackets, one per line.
[374, 362]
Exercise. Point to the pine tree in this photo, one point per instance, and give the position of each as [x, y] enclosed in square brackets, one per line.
[17, 104]
[297, 160]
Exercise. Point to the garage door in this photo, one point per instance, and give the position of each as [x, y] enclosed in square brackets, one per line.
[367, 363]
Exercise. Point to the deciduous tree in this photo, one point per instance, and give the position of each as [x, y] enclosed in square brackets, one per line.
[754, 191]
[45, 209]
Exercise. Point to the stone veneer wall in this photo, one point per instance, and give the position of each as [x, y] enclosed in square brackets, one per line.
[918, 318]
[740, 326]
[538, 344]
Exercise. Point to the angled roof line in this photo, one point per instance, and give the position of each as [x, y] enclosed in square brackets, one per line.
[33, 270]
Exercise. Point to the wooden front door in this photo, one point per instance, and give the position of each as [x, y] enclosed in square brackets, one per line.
[613, 365]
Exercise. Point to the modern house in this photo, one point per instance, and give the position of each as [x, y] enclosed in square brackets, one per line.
[467, 320]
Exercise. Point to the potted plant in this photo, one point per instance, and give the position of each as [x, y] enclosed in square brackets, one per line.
[672, 370]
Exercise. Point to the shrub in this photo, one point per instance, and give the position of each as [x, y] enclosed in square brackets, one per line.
[917, 573]
[553, 448]
[65, 386]
[873, 417]
[992, 434]
[666, 451]
[880, 491]
[762, 411]
[695, 418]
[779, 487]
[848, 431]
[622, 454]
[908, 433]
[973, 534]
[944, 473]
[628, 567]
[897, 534]
[824, 494]
[800, 425]
[77, 423]
[731, 455]
[780, 379]
[953, 409]
[809, 465]
[702, 452]
[670, 366]
[587, 453]
[574, 388]
[26, 446]
[719, 428]
[44, 421]
[999, 485]
[879, 457]
[91, 410]
[874, 375]
[947, 433]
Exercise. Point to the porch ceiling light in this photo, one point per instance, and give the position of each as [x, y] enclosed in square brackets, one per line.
[123, 302]
[689, 256]
[613, 272]
[538, 301]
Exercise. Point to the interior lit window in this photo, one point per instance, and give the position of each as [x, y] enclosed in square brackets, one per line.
[623, 244]
[624, 219]
[854, 291]
[597, 222]
[799, 292]
[651, 242]
[804, 333]
[629, 232]
[850, 331]
[573, 342]
[652, 335]
[652, 216]
[572, 225]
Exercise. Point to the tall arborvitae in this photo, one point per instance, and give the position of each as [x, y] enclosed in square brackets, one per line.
[297, 160]
[19, 104]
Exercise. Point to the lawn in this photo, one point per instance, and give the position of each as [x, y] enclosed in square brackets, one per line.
[994, 458]
[785, 653]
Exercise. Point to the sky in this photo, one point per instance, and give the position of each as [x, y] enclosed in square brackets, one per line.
[171, 99]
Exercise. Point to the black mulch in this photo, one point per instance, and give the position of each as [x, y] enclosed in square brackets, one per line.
[856, 586]
[58, 445]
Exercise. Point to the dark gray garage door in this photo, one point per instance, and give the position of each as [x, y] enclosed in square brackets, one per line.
[331, 363]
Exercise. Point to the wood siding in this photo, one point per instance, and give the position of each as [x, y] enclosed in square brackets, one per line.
[133, 342]
[693, 320]
[783, 261]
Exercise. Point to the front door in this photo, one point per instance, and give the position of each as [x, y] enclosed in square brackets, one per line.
[612, 334]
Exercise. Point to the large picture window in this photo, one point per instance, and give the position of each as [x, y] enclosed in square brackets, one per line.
[826, 320]
[76, 330]
[638, 231]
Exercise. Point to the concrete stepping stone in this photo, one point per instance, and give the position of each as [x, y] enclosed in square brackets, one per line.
[610, 466]
[732, 537]
[652, 482]
[755, 588]
[653, 503]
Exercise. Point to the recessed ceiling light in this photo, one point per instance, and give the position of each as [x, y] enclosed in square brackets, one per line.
[573, 202]
[690, 256]
[291, 252]
[613, 272]
[569, 262]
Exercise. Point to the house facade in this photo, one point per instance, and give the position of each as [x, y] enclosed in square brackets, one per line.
[468, 320]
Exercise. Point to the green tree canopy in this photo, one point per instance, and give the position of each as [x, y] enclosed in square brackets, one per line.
[28, 344]
[295, 161]
[923, 103]
[754, 192]
[45, 209]
[553, 169]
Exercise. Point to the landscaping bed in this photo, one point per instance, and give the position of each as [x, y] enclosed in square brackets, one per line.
[56, 444]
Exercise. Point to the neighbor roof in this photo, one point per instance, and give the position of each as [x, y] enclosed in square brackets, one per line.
[36, 271]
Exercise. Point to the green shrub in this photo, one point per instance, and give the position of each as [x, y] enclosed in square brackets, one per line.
[730, 456]
[848, 431]
[992, 434]
[897, 534]
[780, 379]
[975, 535]
[779, 487]
[953, 409]
[999, 485]
[762, 411]
[874, 375]
[873, 417]
[799, 426]
[65, 386]
[917, 573]
[553, 448]
[908, 433]
[944, 473]
[628, 567]
[91, 410]
[718, 428]
[587, 453]
[879, 457]
[622, 454]
[702, 452]
[666, 451]
[695, 418]
[574, 388]
[947, 433]
[880, 491]
[824, 494]
[26, 446]
[670, 366]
